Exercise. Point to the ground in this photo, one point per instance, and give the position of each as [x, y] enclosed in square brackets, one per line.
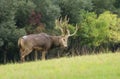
[100, 66]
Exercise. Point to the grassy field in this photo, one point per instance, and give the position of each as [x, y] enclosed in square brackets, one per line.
[101, 66]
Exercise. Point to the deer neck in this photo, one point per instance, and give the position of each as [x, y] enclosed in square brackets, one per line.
[56, 40]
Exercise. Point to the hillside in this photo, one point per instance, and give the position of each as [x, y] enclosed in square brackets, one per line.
[101, 66]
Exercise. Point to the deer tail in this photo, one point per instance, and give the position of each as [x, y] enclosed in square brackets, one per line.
[20, 42]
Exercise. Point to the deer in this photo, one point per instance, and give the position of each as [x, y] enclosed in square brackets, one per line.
[43, 42]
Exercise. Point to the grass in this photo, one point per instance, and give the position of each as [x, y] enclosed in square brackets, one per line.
[101, 66]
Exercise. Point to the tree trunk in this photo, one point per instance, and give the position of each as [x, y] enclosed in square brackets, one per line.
[4, 57]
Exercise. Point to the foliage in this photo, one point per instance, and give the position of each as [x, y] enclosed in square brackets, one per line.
[88, 30]
[72, 8]
[48, 10]
[116, 4]
[97, 30]
[112, 25]
[23, 13]
[7, 24]
[117, 7]
[102, 5]
[8, 31]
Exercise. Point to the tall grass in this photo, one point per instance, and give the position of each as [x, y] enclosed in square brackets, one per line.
[101, 66]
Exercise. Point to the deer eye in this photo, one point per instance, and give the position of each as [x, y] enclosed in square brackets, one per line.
[63, 39]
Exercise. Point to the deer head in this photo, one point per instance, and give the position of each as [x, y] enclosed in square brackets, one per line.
[62, 24]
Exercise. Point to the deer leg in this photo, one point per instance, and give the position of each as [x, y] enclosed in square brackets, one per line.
[28, 51]
[43, 54]
[36, 54]
[22, 58]
[24, 53]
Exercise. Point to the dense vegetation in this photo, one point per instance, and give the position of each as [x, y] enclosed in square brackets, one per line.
[101, 66]
[98, 21]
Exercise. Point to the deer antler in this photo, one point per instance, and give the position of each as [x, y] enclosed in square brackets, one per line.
[62, 24]
[76, 29]
[58, 24]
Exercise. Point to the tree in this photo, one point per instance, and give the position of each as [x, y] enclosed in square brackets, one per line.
[116, 4]
[112, 23]
[88, 30]
[23, 12]
[72, 9]
[8, 36]
[102, 5]
[102, 29]
[48, 10]
[117, 7]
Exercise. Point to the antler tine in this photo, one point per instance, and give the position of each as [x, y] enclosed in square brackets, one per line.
[66, 20]
[65, 24]
[74, 31]
[68, 31]
[58, 24]
[60, 21]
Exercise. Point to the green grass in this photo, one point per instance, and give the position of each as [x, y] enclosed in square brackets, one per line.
[101, 66]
